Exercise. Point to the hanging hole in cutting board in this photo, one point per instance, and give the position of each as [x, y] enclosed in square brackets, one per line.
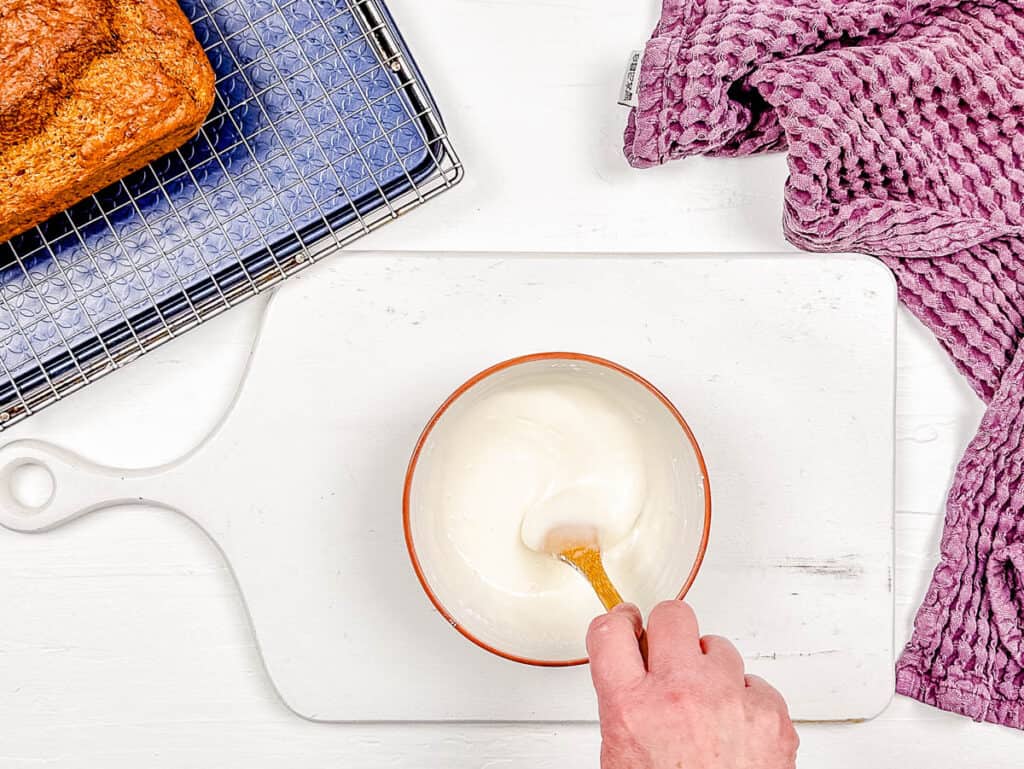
[30, 486]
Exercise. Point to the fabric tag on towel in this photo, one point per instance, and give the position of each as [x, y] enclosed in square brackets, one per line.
[629, 95]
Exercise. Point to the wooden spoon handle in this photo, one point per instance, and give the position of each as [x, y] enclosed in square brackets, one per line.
[587, 561]
[606, 592]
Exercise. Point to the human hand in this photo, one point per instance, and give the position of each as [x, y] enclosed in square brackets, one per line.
[691, 706]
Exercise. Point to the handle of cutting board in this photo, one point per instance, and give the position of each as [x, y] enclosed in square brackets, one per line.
[78, 485]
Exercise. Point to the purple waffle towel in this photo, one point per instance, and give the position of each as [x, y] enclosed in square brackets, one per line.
[903, 122]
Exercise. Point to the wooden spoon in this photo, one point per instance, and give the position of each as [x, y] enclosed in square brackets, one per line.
[579, 547]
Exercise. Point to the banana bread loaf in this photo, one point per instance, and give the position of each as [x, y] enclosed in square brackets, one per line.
[90, 91]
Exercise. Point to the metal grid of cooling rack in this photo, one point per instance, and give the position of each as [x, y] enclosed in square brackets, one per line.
[322, 132]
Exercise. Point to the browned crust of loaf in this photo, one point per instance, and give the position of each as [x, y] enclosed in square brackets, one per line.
[35, 77]
[125, 109]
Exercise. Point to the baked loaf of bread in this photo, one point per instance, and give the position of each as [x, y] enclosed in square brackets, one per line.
[90, 91]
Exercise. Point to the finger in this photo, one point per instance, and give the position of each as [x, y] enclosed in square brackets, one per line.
[756, 682]
[615, 660]
[758, 687]
[673, 638]
[767, 698]
[724, 655]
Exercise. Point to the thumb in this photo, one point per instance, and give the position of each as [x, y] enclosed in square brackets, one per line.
[614, 649]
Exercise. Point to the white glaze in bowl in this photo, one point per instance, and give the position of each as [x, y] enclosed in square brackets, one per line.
[465, 539]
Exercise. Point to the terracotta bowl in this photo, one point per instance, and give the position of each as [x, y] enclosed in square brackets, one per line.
[670, 562]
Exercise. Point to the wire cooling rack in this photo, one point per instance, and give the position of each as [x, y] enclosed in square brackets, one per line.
[322, 131]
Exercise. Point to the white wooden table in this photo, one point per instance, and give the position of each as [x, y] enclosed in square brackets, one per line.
[123, 642]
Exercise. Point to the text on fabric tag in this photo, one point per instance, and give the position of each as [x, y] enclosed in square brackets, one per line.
[629, 95]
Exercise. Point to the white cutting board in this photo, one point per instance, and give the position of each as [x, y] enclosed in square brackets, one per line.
[784, 367]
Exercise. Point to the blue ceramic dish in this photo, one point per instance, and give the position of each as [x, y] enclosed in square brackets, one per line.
[310, 132]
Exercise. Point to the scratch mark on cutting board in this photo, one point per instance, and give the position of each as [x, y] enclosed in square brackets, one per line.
[785, 655]
[843, 567]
